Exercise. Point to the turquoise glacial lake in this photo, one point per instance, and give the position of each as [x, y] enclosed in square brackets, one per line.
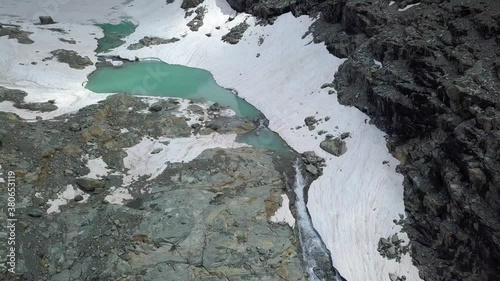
[156, 78]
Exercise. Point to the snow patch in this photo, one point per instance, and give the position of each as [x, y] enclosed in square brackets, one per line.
[118, 195]
[408, 7]
[64, 197]
[98, 168]
[140, 160]
[283, 214]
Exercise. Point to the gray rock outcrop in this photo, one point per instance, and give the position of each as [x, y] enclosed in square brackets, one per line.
[235, 34]
[44, 20]
[151, 41]
[206, 219]
[15, 32]
[70, 57]
[334, 146]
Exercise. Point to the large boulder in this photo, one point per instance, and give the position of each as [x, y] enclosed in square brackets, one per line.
[46, 20]
[88, 184]
[334, 146]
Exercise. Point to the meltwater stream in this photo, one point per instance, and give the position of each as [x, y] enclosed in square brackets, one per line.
[314, 252]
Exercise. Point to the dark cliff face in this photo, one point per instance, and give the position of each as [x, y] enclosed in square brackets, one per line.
[437, 94]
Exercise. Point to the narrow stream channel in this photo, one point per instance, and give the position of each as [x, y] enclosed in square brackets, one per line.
[314, 252]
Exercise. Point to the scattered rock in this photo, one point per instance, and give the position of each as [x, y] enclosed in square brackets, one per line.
[261, 40]
[310, 120]
[392, 248]
[322, 132]
[314, 163]
[70, 41]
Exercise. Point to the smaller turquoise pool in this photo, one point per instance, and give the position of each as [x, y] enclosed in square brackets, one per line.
[113, 35]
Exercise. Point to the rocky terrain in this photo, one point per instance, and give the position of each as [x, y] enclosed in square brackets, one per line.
[15, 32]
[151, 41]
[235, 34]
[428, 73]
[17, 98]
[72, 58]
[79, 188]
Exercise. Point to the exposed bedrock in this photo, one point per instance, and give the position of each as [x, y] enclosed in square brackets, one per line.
[86, 214]
[429, 75]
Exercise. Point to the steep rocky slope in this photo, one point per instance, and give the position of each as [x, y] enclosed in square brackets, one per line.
[206, 218]
[428, 72]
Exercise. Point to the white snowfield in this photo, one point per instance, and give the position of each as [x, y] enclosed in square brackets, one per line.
[64, 197]
[352, 205]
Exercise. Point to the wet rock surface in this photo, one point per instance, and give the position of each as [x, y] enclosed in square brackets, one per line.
[427, 74]
[206, 219]
[72, 58]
